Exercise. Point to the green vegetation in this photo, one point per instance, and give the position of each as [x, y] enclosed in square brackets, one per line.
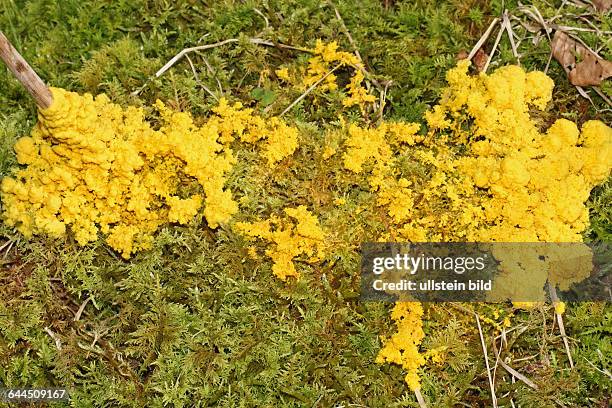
[197, 322]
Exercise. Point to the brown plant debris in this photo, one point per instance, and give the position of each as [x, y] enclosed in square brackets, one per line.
[590, 71]
[602, 5]
[479, 59]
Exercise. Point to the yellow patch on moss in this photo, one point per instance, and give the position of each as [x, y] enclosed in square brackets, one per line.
[402, 347]
[300, 235]
[93, 166]
[325, 58]
[513, 183]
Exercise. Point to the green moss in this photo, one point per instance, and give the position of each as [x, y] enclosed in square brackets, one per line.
[195, 320]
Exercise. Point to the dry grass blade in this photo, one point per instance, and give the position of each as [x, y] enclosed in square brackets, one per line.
[604, 97]
[555, 300]
[518, 375]
[79, 312]
[309, 90]
[604, 371]
[497, 40]
[484, 351]
[483, 39]
[58, 343]
[537, 17]
[420, 398]
[383, 100]
[512, 371]
[506, 23]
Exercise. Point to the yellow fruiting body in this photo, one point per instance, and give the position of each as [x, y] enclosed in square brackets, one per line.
[93, 166]
[487, 173]
[289, 239]
[403, 346]
[484, 172]
[325, 58]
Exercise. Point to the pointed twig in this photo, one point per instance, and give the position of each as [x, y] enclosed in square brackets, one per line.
[420, 399]
[484, 350]
[482, 39]
[309, 90]
[24, 73]
[555, 300]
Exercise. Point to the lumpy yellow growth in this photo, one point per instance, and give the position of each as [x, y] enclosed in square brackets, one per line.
[325, 58]
[536, 181]
[403, 347]
[281, 140]
[93, 166]
[486, 172]
[289, 238]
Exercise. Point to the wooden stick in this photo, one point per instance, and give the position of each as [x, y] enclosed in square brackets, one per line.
[24, 73]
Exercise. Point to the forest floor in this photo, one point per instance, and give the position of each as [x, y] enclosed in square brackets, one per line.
[194, 321]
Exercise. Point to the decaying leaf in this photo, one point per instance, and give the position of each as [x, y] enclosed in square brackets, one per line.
[602, 5]
[590, 71]
[479, 60]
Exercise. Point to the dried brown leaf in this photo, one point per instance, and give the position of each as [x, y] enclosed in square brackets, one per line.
[602, 5]
[479, 60]
[591, 70]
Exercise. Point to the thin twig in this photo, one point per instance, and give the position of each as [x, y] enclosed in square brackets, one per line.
[197, 78]
[484, 350]
[181, 54]
[58, 343]
[555, 300]
[212, 72]
[482, 39]
[355, 48]
[420, 398]
[346, 31]
[309, 90]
